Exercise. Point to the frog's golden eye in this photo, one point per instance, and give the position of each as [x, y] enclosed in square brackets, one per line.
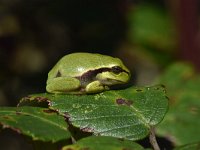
[116, 69]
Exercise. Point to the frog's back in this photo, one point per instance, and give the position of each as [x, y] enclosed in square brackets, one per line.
[76, 64]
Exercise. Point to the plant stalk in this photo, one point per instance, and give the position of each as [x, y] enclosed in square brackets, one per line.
[152, 139]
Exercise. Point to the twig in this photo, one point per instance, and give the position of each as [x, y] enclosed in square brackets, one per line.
[152, 139]
[73, 140]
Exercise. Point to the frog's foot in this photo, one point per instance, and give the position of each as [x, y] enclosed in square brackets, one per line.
[95, 87]
[63, 85]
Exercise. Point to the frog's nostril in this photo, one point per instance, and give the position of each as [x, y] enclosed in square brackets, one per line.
[58, 74]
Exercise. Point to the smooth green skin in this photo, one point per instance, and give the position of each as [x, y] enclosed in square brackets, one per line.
[74, 65]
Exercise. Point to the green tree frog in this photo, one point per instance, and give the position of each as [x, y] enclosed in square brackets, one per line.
[82, 73]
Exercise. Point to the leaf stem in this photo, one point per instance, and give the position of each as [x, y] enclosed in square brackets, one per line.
[152, 139]
[73, 140]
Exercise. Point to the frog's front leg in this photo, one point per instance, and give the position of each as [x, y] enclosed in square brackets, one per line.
[95, 87]
[62, 85]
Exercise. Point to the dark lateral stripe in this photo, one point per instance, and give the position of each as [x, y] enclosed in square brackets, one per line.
[91, 75]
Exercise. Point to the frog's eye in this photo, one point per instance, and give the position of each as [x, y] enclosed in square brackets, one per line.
[116, 69]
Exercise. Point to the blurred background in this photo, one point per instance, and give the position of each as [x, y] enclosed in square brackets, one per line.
[147, 35]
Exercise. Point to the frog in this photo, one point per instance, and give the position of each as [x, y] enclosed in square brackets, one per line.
[86, 73]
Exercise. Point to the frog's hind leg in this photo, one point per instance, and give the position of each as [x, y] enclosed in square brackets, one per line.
[63, 85]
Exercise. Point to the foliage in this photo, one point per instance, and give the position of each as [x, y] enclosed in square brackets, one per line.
[38, 123]
[152, 31]
[181, 124]
[193, 146]
[106, 143]
[126, 114]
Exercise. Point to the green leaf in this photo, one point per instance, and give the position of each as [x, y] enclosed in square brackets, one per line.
[105, 143]
[182, 121]
[152, 33]
[176, 77]
[193, 146]
[38, 123]
[125, 113]
[151, 25]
